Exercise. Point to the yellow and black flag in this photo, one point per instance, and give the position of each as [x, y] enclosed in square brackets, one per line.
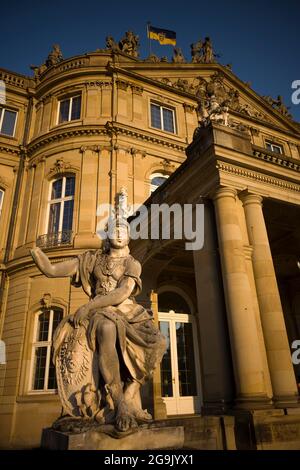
[163, 36]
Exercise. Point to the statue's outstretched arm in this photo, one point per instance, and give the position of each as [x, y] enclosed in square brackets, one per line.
[63, 269]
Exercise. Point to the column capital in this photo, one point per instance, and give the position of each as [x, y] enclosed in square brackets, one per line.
[250, 198]
[224, 192]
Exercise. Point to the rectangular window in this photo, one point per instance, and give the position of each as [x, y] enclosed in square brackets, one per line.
[60, 213]
[162, 118]
[7, 121]
[43, 371]
[69, 109]
[276, 148]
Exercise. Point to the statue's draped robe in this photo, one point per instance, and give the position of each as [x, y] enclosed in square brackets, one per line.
[140, 343]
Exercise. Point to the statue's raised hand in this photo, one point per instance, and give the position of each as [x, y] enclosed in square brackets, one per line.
[35, 253]
[64, 269]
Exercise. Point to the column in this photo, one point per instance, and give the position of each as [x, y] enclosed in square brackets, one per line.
[244, 339]
[215, 360]
[274, 329]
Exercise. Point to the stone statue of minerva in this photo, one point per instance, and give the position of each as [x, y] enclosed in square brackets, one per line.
[106, 350]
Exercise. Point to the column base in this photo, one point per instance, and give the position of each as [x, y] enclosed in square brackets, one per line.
[287, 401]
[254, 402]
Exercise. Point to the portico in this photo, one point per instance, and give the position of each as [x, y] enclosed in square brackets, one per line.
[232, 285]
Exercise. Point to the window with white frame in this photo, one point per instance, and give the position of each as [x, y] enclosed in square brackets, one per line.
[69, 109]
[61, 205]
[42, 375]
[276, 148]
[8, 119]
[157, 179]
[163, 118]
[1, 200]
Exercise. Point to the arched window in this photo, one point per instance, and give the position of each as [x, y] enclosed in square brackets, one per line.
[42, 375]
[1, 200]
[60, 210]
[157, 179]
[172, 301]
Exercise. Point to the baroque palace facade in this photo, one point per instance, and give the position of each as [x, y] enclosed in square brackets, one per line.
[70, 138]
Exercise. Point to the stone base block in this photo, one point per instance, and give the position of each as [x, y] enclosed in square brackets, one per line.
[268, 430]
[204, 432]
[105, 438]
[275, 432]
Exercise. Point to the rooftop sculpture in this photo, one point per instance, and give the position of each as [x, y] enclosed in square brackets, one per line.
[54, 57]
[279, 105]
[129, 44]
[202, 52]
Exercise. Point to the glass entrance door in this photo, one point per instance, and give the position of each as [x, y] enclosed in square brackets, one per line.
[180, 378]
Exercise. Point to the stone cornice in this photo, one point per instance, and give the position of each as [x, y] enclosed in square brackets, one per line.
[59, 135]
[146, 136]
[106, 130]
[276, 159]
[10, 149]
[256, 176]
[99, 83]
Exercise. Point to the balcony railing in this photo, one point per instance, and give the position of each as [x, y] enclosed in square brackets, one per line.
[56, 239]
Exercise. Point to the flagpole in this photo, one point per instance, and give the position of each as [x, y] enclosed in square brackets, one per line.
[148, 25]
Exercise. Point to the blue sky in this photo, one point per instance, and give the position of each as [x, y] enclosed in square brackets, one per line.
[260, 38]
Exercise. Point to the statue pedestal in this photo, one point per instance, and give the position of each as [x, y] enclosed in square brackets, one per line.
[146, 437]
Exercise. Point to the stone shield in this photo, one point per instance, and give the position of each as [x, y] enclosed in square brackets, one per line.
[76, 372]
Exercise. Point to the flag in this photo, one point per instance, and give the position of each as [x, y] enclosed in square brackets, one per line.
[164, 36]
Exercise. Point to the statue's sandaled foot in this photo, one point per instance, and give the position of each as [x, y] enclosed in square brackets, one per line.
[125, 420]
[142, 416]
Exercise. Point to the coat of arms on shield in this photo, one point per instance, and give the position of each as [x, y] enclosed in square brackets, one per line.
[76, 371]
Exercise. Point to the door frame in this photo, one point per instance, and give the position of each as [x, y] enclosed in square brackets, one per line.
[192, 318]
